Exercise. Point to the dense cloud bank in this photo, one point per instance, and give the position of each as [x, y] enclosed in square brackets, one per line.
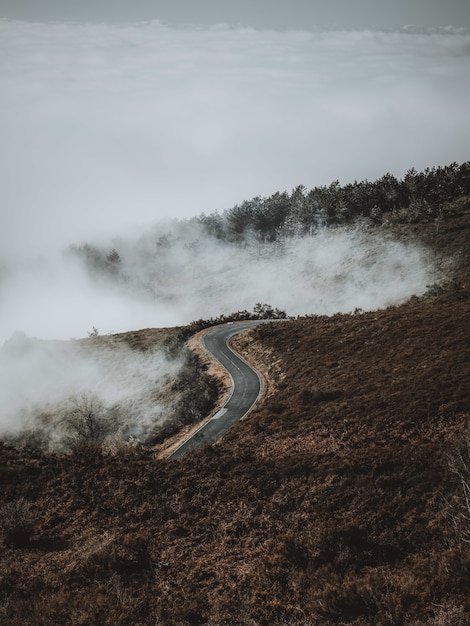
[105, 128]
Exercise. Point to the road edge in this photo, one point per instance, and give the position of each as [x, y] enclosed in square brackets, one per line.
[215, 368]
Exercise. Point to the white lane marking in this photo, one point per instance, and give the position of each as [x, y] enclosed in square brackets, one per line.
[219, 413]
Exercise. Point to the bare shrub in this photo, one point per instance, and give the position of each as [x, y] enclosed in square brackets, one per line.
[17, 522]
[87, 422]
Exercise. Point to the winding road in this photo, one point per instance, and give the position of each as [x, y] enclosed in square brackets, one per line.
[246, 388]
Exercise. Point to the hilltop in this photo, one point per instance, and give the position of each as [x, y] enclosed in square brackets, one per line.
[338, 500]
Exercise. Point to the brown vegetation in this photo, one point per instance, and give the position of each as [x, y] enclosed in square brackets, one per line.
[338, 500]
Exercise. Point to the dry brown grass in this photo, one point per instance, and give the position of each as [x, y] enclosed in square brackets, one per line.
[327, 505]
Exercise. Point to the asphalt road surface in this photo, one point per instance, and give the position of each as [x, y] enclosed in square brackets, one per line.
[246, 388]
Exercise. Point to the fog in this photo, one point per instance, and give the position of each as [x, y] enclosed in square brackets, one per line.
[46, 383]
[176, 273]
[108, 129]
[173, 274]
[333, 270]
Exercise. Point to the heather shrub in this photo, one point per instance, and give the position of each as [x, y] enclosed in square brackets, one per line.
[17, 522]
[448, 615]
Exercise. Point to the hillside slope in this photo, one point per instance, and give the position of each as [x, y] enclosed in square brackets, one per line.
[334, 502]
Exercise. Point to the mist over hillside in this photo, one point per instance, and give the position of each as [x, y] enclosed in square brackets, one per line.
[319, 251]
[64, 393]
[185, 275]
[170, 277]
[325, 250]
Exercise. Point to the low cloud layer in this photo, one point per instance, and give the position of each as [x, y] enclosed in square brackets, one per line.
[105, 128]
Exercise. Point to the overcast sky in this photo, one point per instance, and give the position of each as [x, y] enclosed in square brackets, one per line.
[279, 14]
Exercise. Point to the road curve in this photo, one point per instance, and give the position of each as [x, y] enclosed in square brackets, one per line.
[246, 388]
